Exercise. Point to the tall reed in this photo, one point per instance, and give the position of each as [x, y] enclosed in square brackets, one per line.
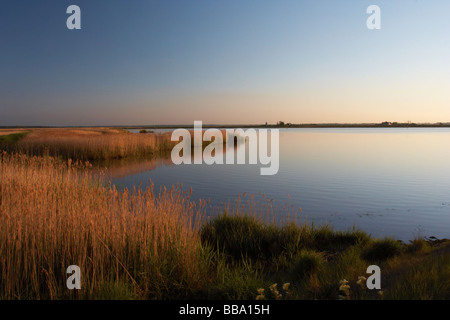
[93, 145]
[54, 214]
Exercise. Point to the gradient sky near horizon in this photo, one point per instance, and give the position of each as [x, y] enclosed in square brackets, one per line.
[223, 62]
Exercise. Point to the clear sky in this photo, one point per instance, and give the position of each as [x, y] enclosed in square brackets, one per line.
[137, 62]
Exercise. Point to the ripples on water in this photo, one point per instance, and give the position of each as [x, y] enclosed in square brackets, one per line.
[387, 181]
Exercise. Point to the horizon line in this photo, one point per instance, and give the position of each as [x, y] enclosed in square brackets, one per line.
[278, 124]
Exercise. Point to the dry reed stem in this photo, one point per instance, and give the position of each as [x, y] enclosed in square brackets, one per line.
[54, 214]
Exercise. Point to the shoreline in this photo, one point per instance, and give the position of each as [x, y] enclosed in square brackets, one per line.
[288, 125]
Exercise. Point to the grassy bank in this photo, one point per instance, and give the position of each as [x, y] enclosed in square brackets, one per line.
[144, 245]
[306, 262]
[91, 144]
[9, 140]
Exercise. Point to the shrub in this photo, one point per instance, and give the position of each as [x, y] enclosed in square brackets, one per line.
[380, 250]
[307, 263]
[326, 239]
[240, 236]
[418, 246]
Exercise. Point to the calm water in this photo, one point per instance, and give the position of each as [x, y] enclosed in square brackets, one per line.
[387, 181]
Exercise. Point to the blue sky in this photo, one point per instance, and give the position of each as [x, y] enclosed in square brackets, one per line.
[235, 61]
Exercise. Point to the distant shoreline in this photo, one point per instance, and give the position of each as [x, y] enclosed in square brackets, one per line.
[287, 125]
[311, 125]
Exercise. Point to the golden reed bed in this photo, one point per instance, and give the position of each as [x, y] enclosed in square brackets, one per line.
[91, 144]
[54, 214]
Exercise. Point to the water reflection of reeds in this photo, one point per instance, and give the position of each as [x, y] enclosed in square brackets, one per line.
[126, 167]
[121, 168]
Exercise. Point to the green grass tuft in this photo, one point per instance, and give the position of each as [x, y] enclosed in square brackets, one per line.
[308, 263]
[381, 250]
[7, 141]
